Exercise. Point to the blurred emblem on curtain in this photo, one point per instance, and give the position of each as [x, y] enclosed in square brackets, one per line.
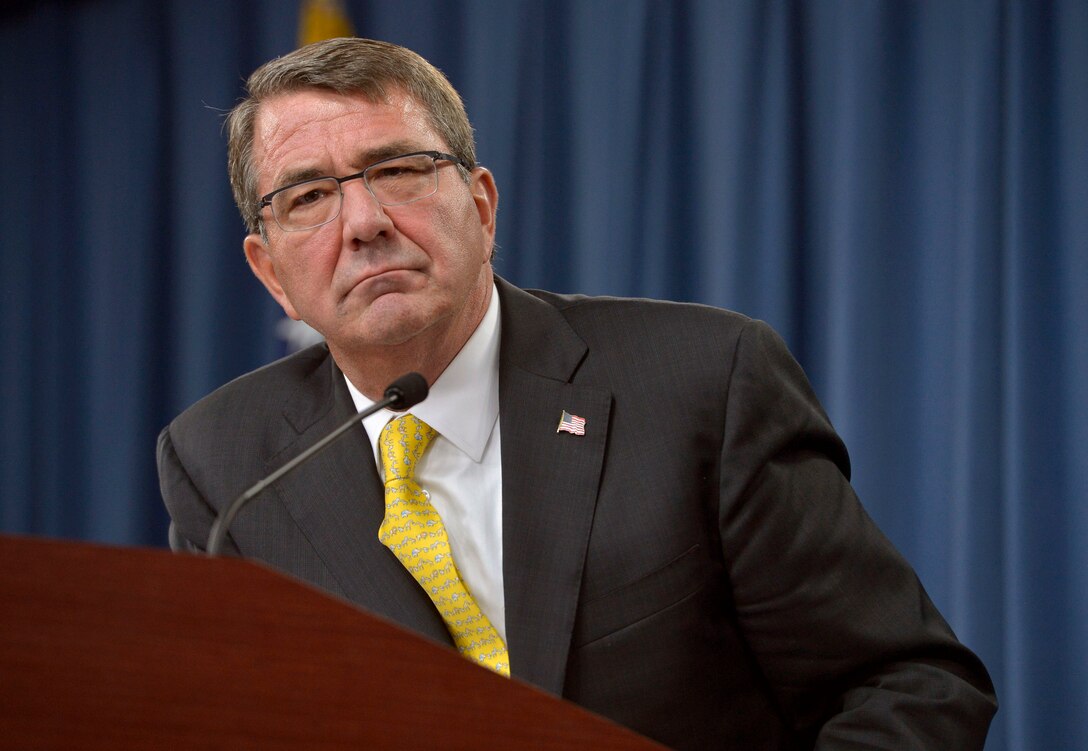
[317, 20]
[322, 19]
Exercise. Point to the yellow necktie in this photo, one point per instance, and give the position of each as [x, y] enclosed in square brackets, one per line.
[413, 530]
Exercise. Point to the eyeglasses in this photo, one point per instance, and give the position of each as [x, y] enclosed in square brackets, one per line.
[393, 182]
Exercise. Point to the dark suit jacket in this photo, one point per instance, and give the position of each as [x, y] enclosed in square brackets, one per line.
[696, 566]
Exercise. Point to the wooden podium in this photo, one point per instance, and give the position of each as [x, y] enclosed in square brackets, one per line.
[127, 648]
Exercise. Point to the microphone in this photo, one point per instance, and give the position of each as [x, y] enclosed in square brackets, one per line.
[407, 391]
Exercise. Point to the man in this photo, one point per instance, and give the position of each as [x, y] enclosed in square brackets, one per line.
[646, 505]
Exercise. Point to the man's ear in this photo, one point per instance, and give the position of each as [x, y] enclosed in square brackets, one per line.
[262, 265]
[486, 196]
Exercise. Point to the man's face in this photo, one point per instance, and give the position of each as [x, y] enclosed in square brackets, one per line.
[376, 275]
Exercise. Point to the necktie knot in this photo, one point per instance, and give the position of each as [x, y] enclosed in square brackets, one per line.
[403, 441]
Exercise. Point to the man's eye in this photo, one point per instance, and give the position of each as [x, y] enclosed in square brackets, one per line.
[311, 196]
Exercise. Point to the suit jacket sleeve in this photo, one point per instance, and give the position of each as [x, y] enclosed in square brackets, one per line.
[838, 620]
[191, 516]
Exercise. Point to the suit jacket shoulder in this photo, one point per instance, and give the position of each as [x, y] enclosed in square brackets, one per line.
[228, 437]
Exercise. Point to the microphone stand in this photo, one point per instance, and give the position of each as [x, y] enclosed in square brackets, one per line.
[406, 391]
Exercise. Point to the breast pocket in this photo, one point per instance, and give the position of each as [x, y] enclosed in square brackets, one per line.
[635, 601]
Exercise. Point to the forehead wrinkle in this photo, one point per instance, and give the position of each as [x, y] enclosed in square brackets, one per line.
[277, 134]
[278, 131]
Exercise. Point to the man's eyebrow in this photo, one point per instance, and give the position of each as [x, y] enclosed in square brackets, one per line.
[366, 158]
[290, 177]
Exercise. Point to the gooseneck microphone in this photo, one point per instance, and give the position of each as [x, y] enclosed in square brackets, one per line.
[407, 391]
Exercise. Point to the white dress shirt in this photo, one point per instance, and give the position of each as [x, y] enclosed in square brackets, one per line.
[462, 468]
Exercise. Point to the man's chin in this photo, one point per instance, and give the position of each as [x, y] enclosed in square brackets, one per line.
[387, 322]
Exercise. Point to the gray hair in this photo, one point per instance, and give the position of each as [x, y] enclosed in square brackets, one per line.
[374, 70]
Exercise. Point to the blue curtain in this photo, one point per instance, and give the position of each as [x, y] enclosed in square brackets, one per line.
[900, 188]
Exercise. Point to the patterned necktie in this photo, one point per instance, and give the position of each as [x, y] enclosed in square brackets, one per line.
[413, 530]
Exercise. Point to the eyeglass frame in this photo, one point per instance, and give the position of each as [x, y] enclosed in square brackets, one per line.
[266, 199]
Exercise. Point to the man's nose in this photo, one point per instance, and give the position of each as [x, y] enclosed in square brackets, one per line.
[363, 217]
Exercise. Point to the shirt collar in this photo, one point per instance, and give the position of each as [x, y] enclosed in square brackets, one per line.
[463, 404]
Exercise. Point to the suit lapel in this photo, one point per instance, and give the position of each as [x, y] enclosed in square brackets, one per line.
[337, 501]
[550, 482]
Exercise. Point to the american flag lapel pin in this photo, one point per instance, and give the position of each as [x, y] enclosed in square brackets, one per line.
[572, 424]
